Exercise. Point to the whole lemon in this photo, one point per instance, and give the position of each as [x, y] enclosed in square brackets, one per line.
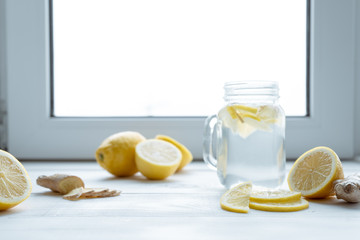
[116, 154]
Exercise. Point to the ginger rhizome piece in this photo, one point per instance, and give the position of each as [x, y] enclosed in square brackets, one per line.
[73, 188]
[348, 188]
[60, 183]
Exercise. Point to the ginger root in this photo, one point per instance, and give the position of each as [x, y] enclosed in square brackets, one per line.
[60, 183]
[81, 193]
[348, 188]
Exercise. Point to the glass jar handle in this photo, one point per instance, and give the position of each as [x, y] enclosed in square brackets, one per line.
[208, 154]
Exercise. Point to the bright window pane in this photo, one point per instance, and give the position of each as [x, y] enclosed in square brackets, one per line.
[172, 57]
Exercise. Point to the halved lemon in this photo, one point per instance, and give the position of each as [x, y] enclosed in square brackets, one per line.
[314, 172]
[157, 159]
[15, 184]
[237, 198]
[186, 154]
[280, 206]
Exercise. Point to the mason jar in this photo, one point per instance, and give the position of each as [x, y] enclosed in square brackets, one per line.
[245, 141]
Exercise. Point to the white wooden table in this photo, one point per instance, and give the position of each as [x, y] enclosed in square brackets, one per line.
[185, 206]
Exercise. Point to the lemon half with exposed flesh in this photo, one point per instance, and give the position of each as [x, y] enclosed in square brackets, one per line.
[314, 172]
[15, 183]
[157, 159]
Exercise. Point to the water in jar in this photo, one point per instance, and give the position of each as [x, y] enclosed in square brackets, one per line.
[251, 145]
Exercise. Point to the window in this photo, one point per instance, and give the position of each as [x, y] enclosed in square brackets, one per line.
[34, 134]
[171, 58]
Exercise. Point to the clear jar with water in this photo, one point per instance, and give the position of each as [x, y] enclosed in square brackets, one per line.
[245, 141]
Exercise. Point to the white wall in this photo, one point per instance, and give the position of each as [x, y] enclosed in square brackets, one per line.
[3, 86]
[357, 83]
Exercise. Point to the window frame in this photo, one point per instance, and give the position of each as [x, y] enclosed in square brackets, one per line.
[34, 134]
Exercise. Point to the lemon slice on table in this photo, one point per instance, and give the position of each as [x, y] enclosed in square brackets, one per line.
[15, 184]
[157, 159]
[280, 206]
[274, 196]
[186, 154]
[314, 171]
[237, 198]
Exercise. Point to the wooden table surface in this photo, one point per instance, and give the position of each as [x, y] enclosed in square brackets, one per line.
[185, 206]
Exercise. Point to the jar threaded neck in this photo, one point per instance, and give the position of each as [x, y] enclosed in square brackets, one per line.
[247, 90]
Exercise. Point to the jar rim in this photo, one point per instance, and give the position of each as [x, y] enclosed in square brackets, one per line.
[237, 90]
[252, 84]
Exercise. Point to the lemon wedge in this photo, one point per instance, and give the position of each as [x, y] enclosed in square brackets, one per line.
[237, 198]
[314, 172]
[157, 159]
[15, 184]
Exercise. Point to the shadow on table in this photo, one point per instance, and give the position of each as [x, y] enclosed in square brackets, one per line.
[138, 177]
[333, 201]
[47, 194]
[11, 211]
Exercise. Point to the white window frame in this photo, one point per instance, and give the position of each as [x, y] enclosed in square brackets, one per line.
[33, 134]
